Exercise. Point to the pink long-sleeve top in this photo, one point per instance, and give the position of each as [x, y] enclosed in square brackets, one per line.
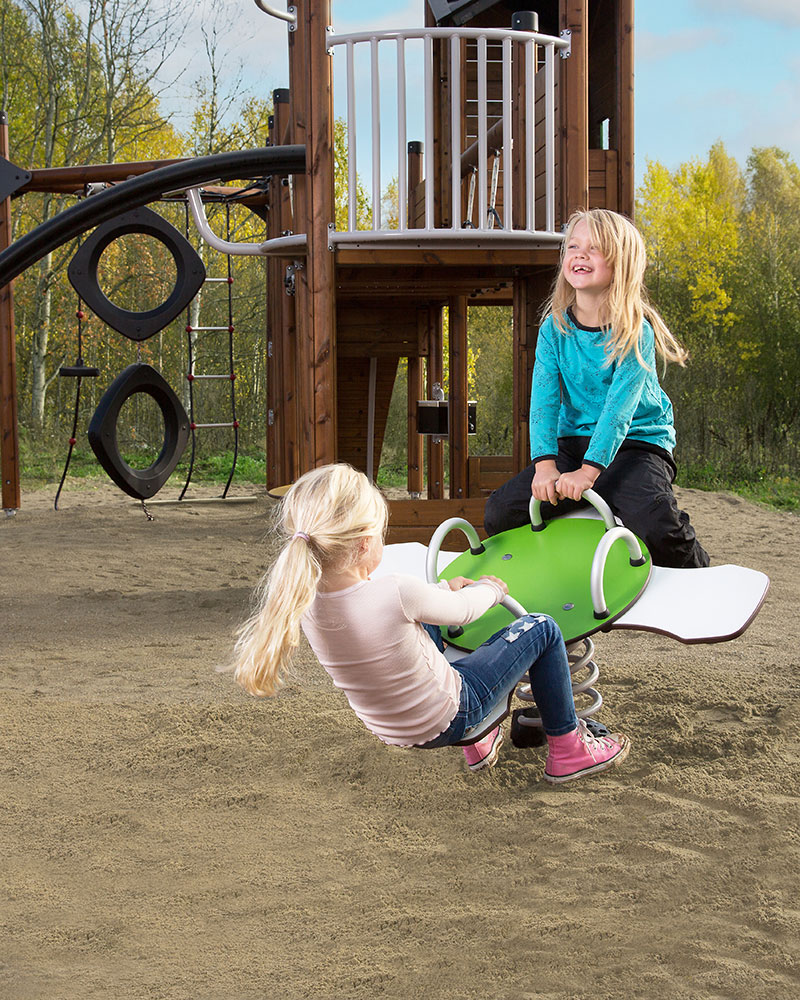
[369, 639]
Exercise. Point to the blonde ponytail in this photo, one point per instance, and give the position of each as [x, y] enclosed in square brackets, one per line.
[324, 515]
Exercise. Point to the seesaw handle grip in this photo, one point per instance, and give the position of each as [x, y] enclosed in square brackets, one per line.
[594, 499]
[444, 529]
[476, 547]
[599, 564]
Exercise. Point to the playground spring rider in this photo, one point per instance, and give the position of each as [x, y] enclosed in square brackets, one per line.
[589, 575]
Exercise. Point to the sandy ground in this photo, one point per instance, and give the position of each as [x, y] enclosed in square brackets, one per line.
[163, 835]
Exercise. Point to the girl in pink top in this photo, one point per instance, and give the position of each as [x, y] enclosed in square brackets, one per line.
[381, 643]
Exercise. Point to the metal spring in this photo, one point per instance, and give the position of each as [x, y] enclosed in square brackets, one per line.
[580, 657]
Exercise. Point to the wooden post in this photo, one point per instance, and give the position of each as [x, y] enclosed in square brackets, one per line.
[281, 335]
[458, 398]
[627, 196]
[529, 296]
[9, 433]
[312, 92]
[574, 109]
[414, 439]
[435, 374]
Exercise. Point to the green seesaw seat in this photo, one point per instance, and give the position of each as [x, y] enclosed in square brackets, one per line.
[582, 572]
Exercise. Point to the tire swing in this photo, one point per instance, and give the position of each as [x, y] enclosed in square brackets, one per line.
[141, 484]
[138, 326]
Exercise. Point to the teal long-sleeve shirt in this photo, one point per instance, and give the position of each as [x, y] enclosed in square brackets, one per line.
[576, 394]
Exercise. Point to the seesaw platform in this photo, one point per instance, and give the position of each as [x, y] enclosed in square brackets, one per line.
[549, 571]
[691, 605]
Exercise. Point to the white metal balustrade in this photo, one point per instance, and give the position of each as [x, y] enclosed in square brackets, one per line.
[493, 143]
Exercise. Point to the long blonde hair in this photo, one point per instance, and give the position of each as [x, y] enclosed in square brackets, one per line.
[626, 302]
[324, 516]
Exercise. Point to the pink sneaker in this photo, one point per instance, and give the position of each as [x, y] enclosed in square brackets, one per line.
[484, 752]
[578, 753]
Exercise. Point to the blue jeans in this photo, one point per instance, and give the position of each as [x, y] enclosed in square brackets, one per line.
[532, 643]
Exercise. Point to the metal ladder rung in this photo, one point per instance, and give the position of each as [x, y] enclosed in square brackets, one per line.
[194, 378]
[198, 329]
[197, 427]
[227, 282]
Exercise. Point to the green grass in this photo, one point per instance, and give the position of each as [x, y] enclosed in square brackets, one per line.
[775, 490]
[42, 464]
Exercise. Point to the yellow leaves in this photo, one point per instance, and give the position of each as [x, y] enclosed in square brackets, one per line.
[689, 218]
[749, 350]
[710, 301]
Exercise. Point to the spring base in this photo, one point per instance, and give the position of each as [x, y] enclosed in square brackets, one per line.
[580, 660]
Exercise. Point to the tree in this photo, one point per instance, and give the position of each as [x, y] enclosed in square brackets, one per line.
[690, 221]
[76, 90]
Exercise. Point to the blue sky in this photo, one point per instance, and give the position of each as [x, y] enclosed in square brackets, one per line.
[705, 69]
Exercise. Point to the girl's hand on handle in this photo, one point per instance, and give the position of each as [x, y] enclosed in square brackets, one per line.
[459, 582]
[543, 486]
[497, 581]
[573, 484]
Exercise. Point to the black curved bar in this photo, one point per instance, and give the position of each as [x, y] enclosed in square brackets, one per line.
[138, 191]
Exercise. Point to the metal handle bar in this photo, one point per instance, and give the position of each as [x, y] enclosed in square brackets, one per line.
[475, 547]
[612, 533]
[279, 244]
[594, 499]
[289, 15]
[599, 564]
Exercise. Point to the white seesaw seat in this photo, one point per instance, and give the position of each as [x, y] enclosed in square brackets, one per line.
[714, 604]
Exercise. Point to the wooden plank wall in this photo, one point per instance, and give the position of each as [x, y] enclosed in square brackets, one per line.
[352, 387]
[603, 179]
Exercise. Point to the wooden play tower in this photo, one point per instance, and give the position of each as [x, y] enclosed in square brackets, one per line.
[523, 117]
[496, 122]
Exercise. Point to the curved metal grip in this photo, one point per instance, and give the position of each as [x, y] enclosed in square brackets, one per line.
[475, 544]
[513, 606]
[599, 564]
[444, 529]
[283, 15]
[594, 499]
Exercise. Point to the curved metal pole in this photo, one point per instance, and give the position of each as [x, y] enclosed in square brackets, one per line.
[599, 565]
[279, 244]
[138, 191]
[444, 529]
[476, 547]
[594, 499]
[282, 15]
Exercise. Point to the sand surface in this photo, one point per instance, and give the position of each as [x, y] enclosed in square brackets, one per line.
[163, 835]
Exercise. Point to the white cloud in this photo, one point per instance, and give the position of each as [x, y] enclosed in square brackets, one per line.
[652, 46]
[784, 12]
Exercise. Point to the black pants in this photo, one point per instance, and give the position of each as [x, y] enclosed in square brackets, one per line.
[637, 486]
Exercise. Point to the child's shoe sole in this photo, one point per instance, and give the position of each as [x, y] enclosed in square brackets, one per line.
[491, 758]
[604, 765]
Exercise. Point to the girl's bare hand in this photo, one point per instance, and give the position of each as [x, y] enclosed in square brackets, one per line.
[497, 581]
[573, 484]
[459, 582]
[543, 486]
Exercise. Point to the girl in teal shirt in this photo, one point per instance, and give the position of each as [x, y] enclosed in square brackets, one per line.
[599, 418]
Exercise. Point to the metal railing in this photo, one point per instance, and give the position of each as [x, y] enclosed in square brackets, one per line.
[472, 163]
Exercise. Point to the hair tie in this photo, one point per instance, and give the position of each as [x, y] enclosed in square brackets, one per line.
[301, 534]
